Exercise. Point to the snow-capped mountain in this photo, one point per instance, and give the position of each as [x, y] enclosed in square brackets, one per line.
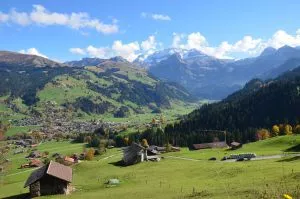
[210, 77]
[186, 55]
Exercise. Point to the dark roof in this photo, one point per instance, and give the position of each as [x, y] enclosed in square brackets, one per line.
[53, 169]
[130, 153]
[36, 175]
[210, 145]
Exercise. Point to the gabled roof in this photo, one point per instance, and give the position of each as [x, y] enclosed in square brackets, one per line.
[53, 169]
[36, 175]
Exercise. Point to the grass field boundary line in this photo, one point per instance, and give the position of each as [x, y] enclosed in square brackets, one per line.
[12, 174]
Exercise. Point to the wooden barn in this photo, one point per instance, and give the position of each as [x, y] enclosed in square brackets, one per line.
[133, 154]
[53, 178]
[136, 153]
[210, 145]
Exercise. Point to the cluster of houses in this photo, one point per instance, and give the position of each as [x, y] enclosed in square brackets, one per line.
[136, 153]
[25, 143]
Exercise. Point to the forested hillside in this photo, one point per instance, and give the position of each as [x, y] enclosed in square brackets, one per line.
[258, 105]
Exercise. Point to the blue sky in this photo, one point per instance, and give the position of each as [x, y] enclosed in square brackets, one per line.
[225, 29]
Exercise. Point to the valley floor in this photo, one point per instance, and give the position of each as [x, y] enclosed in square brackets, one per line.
[190, 175]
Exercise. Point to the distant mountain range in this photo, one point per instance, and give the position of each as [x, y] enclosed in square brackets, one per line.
[201, 75]
[208, 77]
[112, 87]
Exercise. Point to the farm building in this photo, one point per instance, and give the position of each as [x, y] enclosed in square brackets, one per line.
[163, 149]
[136, 153]
[133, 154]
[53, 178]
[210, 145]
[235, 145]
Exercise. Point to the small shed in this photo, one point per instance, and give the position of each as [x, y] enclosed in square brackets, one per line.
[34, 154]
[53, 178]
[210, 145]
[235, 145]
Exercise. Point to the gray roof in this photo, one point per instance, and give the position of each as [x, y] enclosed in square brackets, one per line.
[130, 153]
[53, 169]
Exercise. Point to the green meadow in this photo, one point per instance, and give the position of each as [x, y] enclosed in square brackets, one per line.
[184, 174]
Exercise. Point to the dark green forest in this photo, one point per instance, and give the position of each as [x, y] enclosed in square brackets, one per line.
[258, 105]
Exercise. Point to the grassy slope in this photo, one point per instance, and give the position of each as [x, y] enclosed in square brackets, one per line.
[173, 178]
[67, 89]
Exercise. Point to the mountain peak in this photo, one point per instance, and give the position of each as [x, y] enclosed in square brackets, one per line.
[268, 51]
[286, 50]
[24, 60]
[118, 59]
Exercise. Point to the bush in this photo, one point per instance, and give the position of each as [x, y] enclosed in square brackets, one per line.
[262, 134]
[90, 154]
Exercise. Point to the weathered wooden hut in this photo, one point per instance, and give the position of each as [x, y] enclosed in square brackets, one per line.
[53, 178]
[136, 153]
[133, 154]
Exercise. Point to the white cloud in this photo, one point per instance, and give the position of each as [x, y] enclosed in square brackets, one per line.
[129, 51]
[77, 51]
[161, 17]
[177, 40]
[155, 16]
[281, 38]
[245, 47]
[41, 16]
[248, 45]
[149, 44]
[20, 18]
[195, 40]
[3, 17]
[98, 52]
[33, 51]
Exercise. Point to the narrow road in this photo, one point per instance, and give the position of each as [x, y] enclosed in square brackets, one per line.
[268, 157]
[234, 160]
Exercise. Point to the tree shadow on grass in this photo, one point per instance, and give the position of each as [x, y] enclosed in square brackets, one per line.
[295, 148]
[295, 158]
[19, 196]
[118, 163]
